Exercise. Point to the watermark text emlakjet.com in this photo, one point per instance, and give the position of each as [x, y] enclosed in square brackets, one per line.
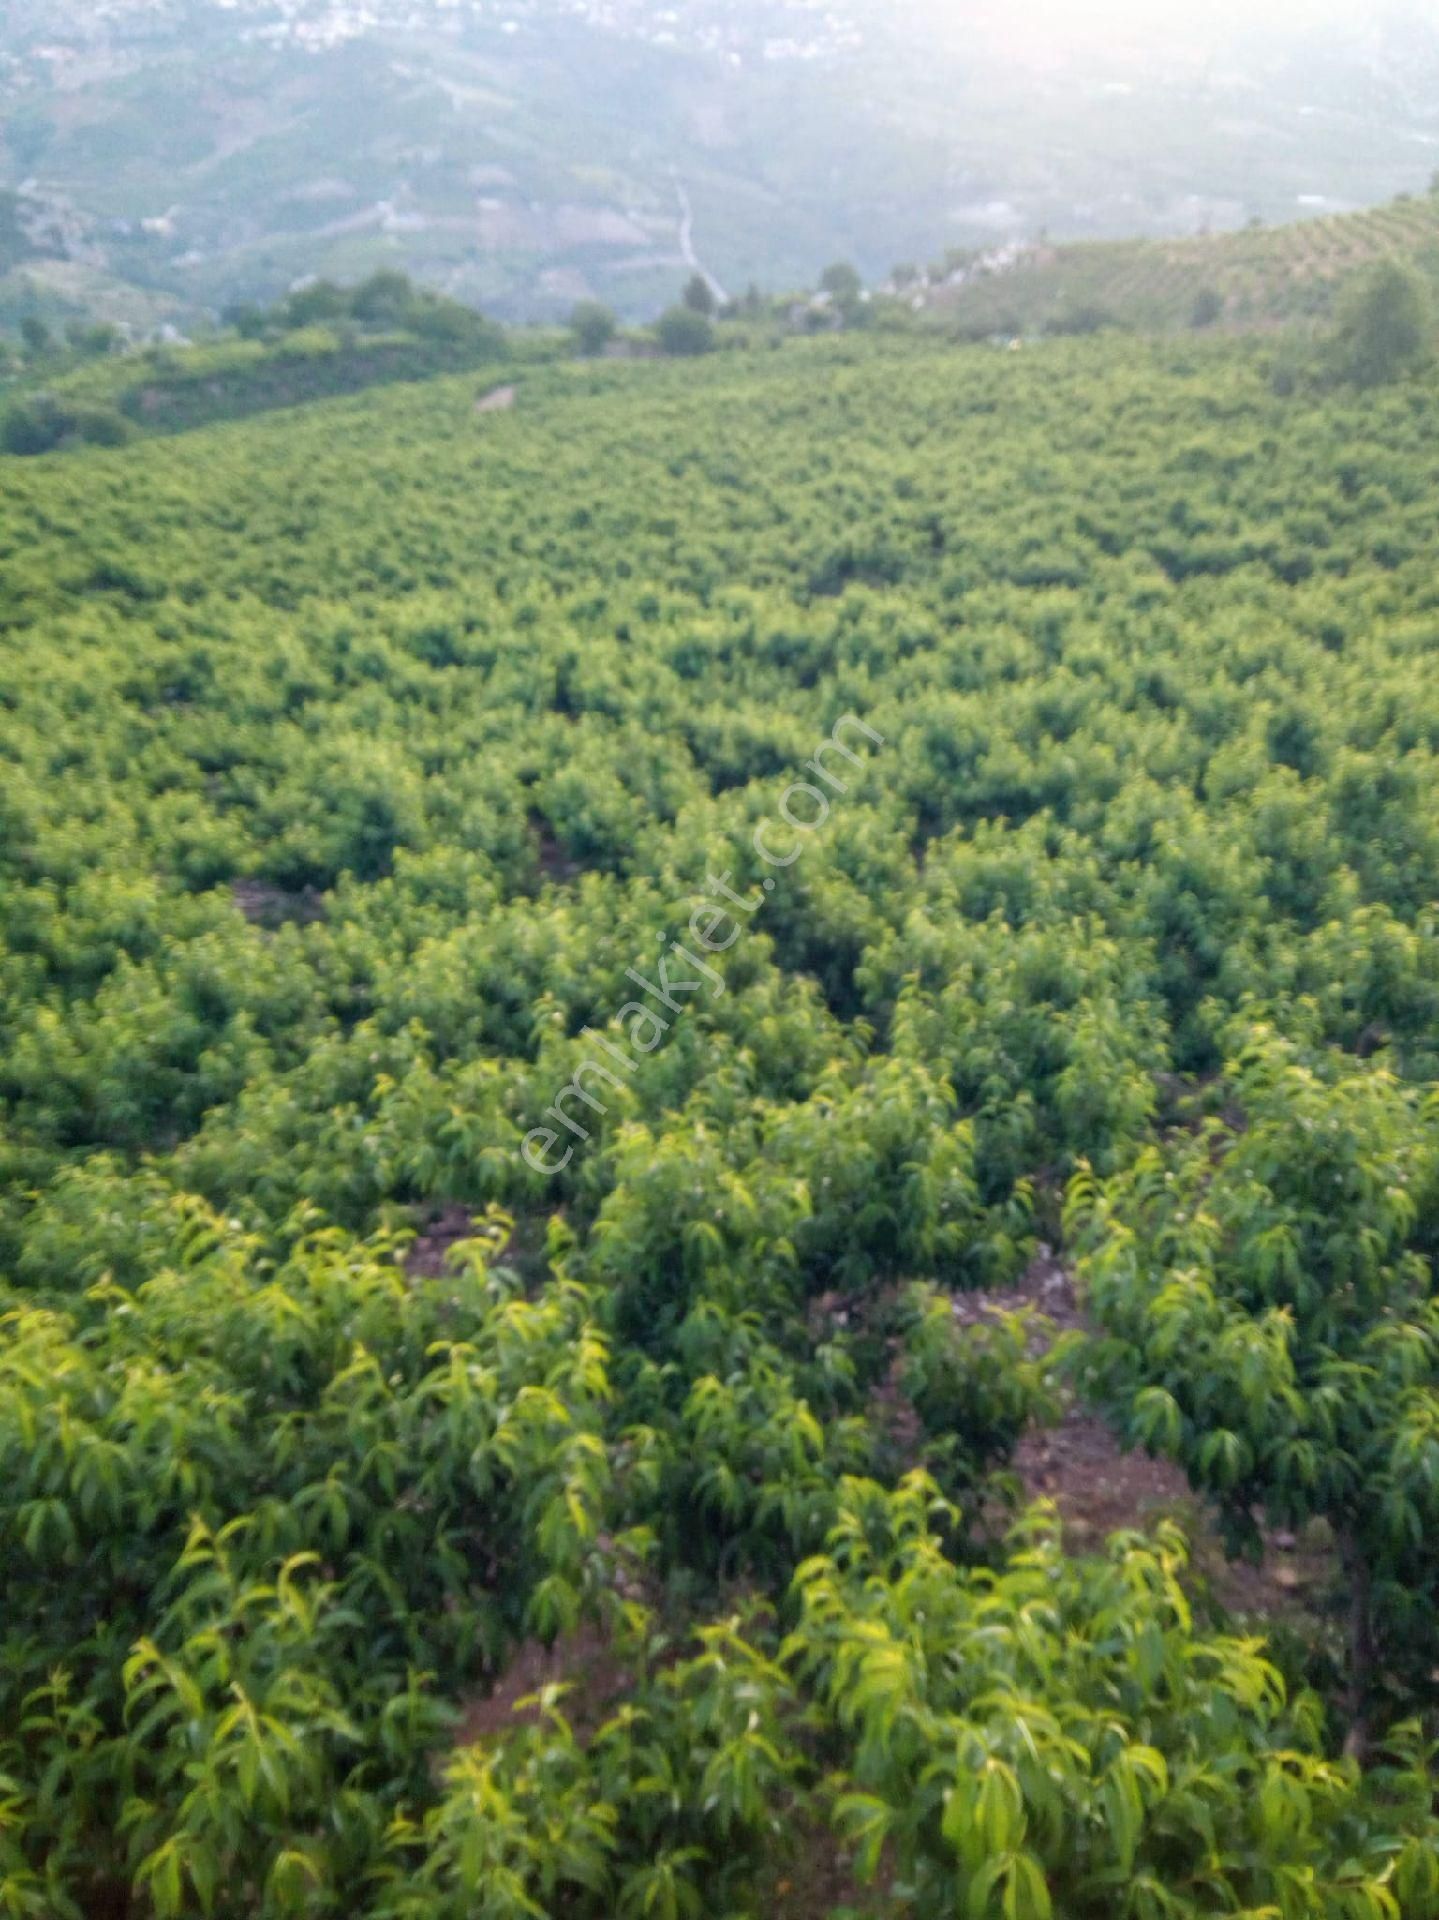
[717, 918]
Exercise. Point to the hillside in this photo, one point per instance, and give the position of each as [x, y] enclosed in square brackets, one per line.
[94, 384]
[91, 387]
[518, 155]
[627, 1023]
[1262, 277]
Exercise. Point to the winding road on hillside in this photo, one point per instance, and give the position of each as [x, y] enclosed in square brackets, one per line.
[687, 241]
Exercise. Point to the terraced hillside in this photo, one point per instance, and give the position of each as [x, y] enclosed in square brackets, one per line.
[1259, 277]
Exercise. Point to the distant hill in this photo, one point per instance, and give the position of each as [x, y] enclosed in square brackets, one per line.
[520, 155]
[15, 243]
[1259, 277]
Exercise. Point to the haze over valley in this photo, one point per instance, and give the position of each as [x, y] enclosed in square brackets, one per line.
[169, 158]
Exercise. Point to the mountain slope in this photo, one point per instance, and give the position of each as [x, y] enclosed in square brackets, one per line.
[522, 154]
[1259, 277]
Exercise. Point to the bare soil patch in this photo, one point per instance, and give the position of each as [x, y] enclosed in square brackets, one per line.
[554, 862]
[428, 1255]
[1099, 1489]
[449, 1223]
[582, 1661]
[818, 1881]
[272, 907]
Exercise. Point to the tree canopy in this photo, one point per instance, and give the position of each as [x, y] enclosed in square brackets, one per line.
[399, 1526]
